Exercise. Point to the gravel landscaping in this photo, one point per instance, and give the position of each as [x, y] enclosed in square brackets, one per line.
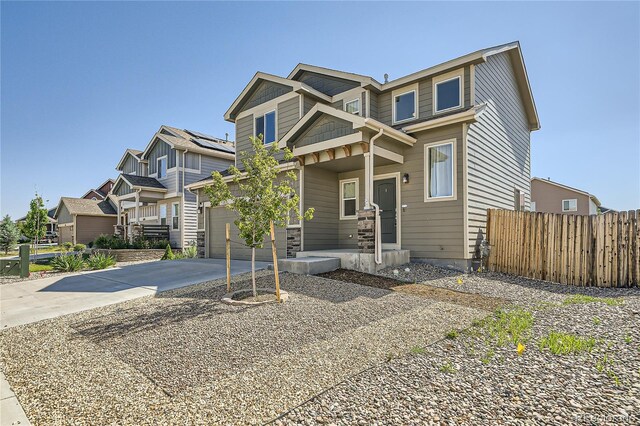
[478, 376]
[183, 357]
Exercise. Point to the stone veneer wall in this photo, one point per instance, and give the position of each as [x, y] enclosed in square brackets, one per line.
[294, 238]
[366, 231]
[132, 255]
[200, 243]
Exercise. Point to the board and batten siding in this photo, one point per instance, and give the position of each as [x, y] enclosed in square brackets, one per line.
[132, 166]
[160, 149]
[499, 152]
[321, 193]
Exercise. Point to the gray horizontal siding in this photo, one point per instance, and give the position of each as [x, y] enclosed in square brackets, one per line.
[498, 146]
[266, 91]
[308, 104]
[64, 216]
[190, 222]
[288, 115]
[327, 84]
[373, 105]
[244, 130]
[321, 193]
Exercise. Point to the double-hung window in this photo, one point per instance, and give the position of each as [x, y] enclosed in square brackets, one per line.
[440, 171]
[348, 199]
[162, 167]
[405, 104]
[447, 92]
[163, 214]
[570, 205]
[353, 106]
[265, 125]
[175, 216]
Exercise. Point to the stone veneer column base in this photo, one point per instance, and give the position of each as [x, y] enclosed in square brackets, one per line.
[367, 231]
[200, 243]
[294, 238]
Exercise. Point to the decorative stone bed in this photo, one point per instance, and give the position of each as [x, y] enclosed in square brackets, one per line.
[244, 297]
[132, 255]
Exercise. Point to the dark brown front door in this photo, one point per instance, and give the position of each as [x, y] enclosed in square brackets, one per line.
[384, 195]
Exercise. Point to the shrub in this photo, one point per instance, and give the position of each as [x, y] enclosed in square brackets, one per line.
[67, 246]
[79, 247]
[160, 244]
[109, 242]
[68, 263]
[100, 261]
[168, 253]
[190, 252]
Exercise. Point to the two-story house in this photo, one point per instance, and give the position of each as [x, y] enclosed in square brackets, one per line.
[150, 189]
[398, 169]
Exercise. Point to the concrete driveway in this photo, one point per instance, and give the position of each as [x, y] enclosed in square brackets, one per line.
[31, 301]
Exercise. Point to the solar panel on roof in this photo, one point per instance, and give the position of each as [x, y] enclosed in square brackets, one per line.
[201, 135]
[214, 145]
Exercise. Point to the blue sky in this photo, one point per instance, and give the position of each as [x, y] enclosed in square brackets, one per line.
[82, 81]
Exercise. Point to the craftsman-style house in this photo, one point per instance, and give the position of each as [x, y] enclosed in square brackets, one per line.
[395, 170]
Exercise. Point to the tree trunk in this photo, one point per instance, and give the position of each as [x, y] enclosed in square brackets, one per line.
[253, 271]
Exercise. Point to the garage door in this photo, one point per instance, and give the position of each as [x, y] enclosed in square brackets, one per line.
[65, 234]
[220, 216]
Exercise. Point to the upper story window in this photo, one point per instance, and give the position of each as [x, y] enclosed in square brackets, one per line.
[353, 106]
[162, 167]
[570, 205]
[440, 171]
[265, 125]
[405, 104]
[447, 92]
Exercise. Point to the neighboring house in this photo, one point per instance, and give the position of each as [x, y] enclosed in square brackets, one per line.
[548, 196]
[433, 150]
[81, 220]
[151, 187]
[52, 223]
[101, 192]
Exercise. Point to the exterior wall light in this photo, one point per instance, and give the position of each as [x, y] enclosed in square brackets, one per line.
[405, 178]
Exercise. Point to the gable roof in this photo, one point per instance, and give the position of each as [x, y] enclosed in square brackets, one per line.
[258, 78]
[193, 142]
[140, 182]
[98, 191]
[569, 188]
[84, 207]
[135, 153]
[364, 80]
[357, 121]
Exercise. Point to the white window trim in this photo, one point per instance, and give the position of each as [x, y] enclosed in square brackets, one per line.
[263, 114]
[199, 169]
[172, 216]
[570, 209]
[458, 74]
[166, 158]
[160, 205]
[454, 172]
[403, 91]
[344, 106]
[357, 198]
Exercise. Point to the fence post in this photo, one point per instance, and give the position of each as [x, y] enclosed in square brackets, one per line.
[24, 260]
[275, 261]
[228, 256]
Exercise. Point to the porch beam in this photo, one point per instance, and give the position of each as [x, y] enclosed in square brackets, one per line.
[389, 155]
[331, 143]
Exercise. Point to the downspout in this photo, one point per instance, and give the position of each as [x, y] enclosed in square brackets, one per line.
[182, 233]
[378, 240]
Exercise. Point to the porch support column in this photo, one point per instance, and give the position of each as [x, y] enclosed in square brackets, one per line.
[119, 211]
[367, 183]
[137, 207]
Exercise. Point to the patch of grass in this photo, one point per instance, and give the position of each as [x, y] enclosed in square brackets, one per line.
[512, 326]
[627, 338]
[581, 299]
[40, 267]
[597, 320]
[452, 334]
[447, 367]
[418, 350]
[543, 306]
[566, 344]
[488, 356]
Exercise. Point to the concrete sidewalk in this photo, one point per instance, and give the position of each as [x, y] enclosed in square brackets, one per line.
[11, 412]
[30, 301]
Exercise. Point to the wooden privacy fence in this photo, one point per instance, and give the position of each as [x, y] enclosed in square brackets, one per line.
[599, 250]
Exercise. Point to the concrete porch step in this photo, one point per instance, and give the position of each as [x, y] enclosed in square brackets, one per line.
[364, 262]
[309, 265]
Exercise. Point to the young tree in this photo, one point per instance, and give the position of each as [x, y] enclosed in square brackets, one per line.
[261, 195]
[35, 224]
[9, 234]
